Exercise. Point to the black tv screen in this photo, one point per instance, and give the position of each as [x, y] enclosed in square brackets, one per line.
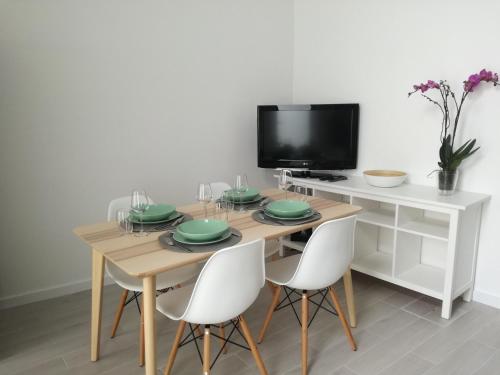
[318, 136]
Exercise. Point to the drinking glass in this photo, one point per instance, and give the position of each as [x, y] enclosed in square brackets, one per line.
[240, 187]
[139, 204]
[285, 180]
[227, 203]
[123, 221]
[204, 195]
[301, 192]
[221, 211]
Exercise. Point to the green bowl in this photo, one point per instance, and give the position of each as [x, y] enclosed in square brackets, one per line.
[288, 208]
[202, 230]
[154, 212]
[245, 196]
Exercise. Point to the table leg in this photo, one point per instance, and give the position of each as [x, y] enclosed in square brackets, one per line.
[149, 295]
[349, 297]
[97, 283]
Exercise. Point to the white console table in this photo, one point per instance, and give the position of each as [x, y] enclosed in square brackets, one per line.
[411, 236]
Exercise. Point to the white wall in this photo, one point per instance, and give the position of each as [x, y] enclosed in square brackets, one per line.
[372, 52]
[99, 97]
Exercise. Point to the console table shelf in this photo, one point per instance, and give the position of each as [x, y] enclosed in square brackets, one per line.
[427, 228]
[411, 236]
[377, 216]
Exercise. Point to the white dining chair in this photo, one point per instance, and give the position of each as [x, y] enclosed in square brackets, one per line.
[226, 287]
[326, 257]
[132, 284]
[218, 188]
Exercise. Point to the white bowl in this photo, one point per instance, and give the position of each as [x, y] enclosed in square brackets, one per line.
[384, 178]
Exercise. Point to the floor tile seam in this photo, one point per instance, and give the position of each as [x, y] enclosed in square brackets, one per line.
[403, 356]
[367, 328]
[426, 319]
[385, 339]
[486, 362]
[453, 351]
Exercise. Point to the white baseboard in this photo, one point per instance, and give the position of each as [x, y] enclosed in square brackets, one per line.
[48, 293]
[486, 298]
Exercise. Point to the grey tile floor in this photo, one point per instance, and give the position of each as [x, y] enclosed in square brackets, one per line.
[399, 332]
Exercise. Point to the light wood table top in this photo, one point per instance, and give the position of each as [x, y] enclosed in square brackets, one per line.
[145, 256]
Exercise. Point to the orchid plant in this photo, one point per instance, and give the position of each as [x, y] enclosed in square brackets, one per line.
[450, 159]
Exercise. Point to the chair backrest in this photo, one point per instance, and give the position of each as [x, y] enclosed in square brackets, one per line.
[228, 284]
[118, 203]
[218, 188]
[124, 202]
[326, 255]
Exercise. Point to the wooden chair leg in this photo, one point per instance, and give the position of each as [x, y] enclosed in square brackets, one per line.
[274, 303]
[141, 340]
[342, 318]
[222, 333]
[271, 286]
[175, 347]
[251, 344]
[119, 312]
[206, 350]
[305, 322]
[349, 297]
[197, 329]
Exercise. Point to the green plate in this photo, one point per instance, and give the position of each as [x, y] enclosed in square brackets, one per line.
[307, 215]
[246, 196]
[174, 215]
[287, 208]
[202, 230]
[255, 200]
[155, 212]
[180, 238]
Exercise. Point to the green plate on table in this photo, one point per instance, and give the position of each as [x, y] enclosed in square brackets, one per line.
[307, 215]
[180, 238]
[202, 230]
[174, 215]
[154, 212]
[244, 196]
[257, 199]
[287, 208]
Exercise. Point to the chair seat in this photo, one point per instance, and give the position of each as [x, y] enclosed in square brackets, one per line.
[174, 303]
[281, 271]
[163, 280]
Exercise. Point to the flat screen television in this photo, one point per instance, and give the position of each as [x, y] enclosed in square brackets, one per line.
[314, 137]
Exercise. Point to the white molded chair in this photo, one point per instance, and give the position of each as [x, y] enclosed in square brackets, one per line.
[132, 284]
[326, 257]
[218, 188]
[236, 274]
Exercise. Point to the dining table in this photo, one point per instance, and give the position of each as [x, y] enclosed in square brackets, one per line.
[145, 257]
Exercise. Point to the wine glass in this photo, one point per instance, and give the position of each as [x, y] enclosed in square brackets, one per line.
[240, 187]
[139, 204]
[285, 180]
[301, 192]
[204, 195]
[123, 221]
